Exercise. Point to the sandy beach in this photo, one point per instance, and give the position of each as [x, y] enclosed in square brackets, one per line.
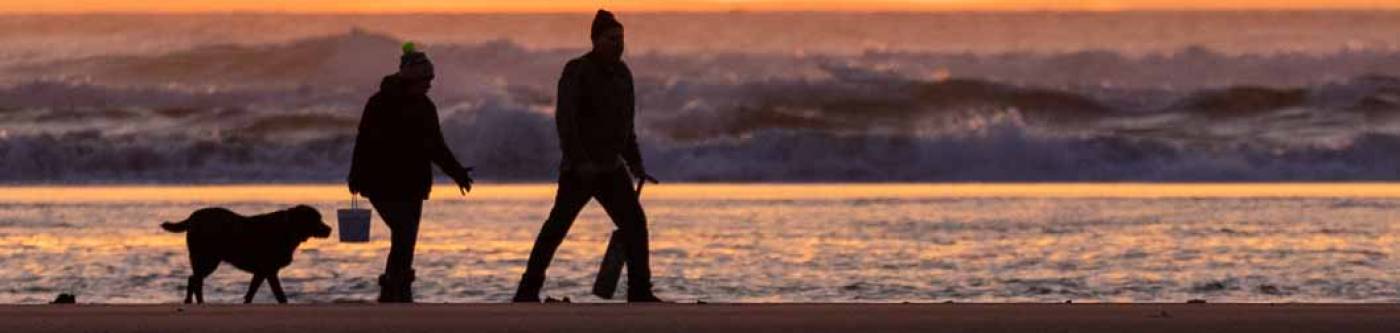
[1237, 318]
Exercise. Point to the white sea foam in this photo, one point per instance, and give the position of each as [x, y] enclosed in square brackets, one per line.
[258, 108]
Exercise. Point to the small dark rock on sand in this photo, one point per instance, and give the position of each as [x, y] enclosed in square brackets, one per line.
[556, 300]
[65, 299]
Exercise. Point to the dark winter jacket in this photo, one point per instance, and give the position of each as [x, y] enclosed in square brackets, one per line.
[595, 114]
[399, 140]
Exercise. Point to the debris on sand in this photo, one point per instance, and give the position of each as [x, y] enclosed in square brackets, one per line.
[65, 298]
[556, 300]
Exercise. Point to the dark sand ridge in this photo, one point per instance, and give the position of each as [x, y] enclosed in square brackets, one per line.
[1235, 318]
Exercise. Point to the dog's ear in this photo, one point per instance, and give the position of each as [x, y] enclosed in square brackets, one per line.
[304, 212]
[309, 220]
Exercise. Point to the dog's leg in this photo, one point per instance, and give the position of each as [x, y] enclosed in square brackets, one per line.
[202, 269]
[276, 285]
[190, 286]
[199, 292]
[253, 287]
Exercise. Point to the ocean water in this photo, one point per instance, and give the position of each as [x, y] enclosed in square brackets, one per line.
[754, 97]
[761, 243]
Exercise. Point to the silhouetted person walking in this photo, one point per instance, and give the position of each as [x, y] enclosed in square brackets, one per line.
[399, 141]
[594, 116]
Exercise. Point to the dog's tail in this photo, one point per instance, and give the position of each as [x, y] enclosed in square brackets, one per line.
[181, 226]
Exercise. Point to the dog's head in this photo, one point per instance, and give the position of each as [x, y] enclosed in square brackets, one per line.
[307, 222]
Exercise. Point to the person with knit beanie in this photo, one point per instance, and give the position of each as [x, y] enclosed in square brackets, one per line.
[398, 143]
[595, 114]
[414, 65]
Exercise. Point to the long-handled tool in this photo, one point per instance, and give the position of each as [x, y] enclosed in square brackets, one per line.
[610, 271]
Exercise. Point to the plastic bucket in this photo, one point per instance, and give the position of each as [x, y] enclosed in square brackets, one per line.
[354, 223]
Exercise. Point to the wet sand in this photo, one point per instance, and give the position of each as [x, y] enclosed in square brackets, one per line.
[1237, 318]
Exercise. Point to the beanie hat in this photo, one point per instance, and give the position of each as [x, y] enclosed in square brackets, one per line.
[602, 22]
[414, 65]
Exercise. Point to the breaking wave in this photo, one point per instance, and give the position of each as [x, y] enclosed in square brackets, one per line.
[287, 112]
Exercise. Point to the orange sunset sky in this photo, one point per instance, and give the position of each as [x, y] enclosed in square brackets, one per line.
[401, 6]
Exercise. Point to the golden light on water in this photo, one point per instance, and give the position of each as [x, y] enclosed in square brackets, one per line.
[298, 193]
[795, 242]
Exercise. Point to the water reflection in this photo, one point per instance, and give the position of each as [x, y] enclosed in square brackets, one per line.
[829, 243]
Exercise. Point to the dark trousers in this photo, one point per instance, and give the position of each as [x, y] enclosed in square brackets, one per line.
[614, 191]
[401, 215]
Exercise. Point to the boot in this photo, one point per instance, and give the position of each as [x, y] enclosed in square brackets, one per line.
[642, 294]
[396, 288]
[643, 297]
[528, 291]
[387, 289]
[405, 287]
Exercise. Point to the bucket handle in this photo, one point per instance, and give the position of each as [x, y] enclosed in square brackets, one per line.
[354, 203]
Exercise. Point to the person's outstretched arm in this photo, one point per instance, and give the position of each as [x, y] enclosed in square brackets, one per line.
[566, 108]
[631, 152]
[441, 154]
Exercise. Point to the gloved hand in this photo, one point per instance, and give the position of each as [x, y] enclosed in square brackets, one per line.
[641, 174]
[463, 178]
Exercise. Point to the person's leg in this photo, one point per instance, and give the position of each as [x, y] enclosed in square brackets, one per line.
[572, 195]
[619, 199]
[403, 234]
[402, 217]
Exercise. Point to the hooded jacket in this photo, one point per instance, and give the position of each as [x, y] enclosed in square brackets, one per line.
[594, 115]
[398, 142]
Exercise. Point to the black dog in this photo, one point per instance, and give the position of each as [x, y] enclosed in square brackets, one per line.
[261, 244]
